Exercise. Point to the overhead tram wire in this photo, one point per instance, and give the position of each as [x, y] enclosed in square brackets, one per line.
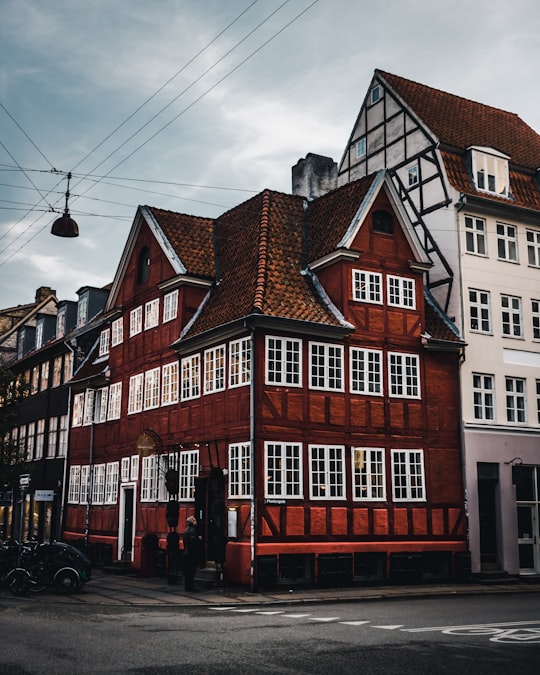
[192, 104]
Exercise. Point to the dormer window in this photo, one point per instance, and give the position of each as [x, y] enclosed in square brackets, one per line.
[82, 311]
[61, 324]
[490, 171]
[39, 335]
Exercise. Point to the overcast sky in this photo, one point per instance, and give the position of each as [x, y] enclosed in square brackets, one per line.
[227, 110]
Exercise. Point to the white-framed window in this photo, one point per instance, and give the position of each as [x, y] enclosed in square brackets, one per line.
[507, 242]
[413, 177]
[57, 372]
[78, 410]
[100, 405]
[86, 483]
[366, 371]
[134, 475]
[326, 363]
[151, 314]
[61, 324]
[401, 292]
[516, 405]
[117, 332]
[82, 311]
[124, 469]
[535, 317]
[239, 362]
[30, 441]
[369, 474]
[104, 341]
[367, 286]
[375, 94]
[511, 316]
[283, 470]
[479, 311]
[74, 489]
[408, 475]
[111, 483]
[135, 321]
[53, 437]
[490, 172]
[40, 439]
[239, 471]
[475, 235]
[533, 247]
[115, 401]
[98, 484]
[361, 147]
[170, 306]
[35, 379]
[483, 396]
[88, 417]
[404, 375]
[169, 383]
[68, 366]
[283, 361]
[214, 369]
[191, 377]
[151, 388]
[188, 470]
[62, 436]
[164, 463]
[326, 472]
[44, 381]
[136, 388]
[149, 479]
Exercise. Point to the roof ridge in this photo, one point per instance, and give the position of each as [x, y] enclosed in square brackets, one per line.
[260, 280]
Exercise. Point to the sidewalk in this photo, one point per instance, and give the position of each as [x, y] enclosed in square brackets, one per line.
[132, 591]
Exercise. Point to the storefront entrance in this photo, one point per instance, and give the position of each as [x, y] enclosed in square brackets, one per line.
[126, 523]
[527, 482]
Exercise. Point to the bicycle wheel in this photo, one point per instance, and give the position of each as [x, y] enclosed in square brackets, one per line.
[18, 581]
[67, 580]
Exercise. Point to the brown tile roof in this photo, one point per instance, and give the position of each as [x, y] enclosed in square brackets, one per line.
[191, 238]
[437, 324]
[460, 123]
[260, 260]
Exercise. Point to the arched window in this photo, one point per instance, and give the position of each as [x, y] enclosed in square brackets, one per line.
[383, 222]
[143, 266]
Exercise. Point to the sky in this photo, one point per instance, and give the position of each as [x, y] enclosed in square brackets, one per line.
[196, 105]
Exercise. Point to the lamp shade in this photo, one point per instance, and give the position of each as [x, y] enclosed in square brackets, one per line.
[65, 226]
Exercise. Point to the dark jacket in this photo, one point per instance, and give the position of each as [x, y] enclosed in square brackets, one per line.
[192, 545]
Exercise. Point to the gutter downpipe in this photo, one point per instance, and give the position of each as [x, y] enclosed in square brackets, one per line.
[66, 458]
[90, 480]
[253, 515]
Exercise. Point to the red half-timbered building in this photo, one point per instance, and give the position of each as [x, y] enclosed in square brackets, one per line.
[288, 363]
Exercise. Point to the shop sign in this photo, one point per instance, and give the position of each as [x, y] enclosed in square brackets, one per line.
[44, 495]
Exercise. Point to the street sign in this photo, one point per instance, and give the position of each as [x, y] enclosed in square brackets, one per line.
[44, 495]
[24, 480]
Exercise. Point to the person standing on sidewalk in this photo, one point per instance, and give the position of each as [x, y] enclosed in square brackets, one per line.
[192, 552]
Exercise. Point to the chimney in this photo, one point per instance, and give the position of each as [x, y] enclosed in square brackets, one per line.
[44, 292]
[314, 176]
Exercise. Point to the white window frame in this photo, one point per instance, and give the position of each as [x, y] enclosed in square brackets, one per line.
[135, 321]
[404, 375]
[57, 372]
[104, 342]
[361, 147]
[74, 489]
[86, 484]
[401, 292]
[480, 311]
[101, 400]
[169, 383]
[283, 361]
[533, 247]
[125, 464]
[78, 410]
[60, 324]
[375, 94]
[98, 484]
[191, 377]
[115, 401]
[367, 286]
[368, 472]
[30, 441]
[188, 470]
[150, 478]
[239, 362]
[89, 396]
[151, 314]
[134, 472]
[68, 366]
[52, 437]
[170, 306]
[283, 472]
[136, 391]
[326, 366]
[240, 471]
[44, 379]
[111, 483]
[413, 175]
[327, 470]
[82, 311]
[483, 397]
[516, 400]
[507, 244]
[511, 316]
[40, 438]
[475, 236]
[117, 332]
[490, 172]
[408, 476]
[151, 388]
[366, 371]
[62, 436]
[214, 369]
[535, 318]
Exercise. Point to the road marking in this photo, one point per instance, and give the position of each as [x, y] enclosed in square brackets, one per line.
[353, 623]
[389, 627]
[221, 609]
[325, 618]
[295, 616]
[270, 613]
[245, 611]
[472, 625]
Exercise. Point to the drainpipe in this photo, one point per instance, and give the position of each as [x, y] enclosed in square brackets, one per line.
[68, 438]
[253, 515]
[90, 478]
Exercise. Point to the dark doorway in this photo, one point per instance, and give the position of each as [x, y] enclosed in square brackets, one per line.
[488, 482]
[210, 512]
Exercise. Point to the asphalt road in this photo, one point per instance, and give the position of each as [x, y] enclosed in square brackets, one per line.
[497, 634]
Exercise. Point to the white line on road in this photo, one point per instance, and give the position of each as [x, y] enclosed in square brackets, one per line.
[325, 618]
[270, 613]
[473, 625]
[354, 623]
[389, 627]
[295, 616]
